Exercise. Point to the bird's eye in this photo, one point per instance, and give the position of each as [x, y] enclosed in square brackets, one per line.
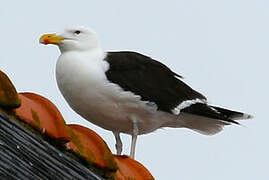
[77, 32]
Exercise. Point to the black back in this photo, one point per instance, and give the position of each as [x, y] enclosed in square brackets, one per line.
[150, 79]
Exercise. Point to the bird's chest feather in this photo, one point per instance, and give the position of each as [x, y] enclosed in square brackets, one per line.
[87, 90]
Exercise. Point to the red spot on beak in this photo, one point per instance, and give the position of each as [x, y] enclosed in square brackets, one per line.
[46, 41]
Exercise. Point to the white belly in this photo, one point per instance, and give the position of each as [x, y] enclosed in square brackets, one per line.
[87, 91]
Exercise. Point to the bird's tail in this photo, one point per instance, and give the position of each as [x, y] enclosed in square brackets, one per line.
[206, 123]
[233, 115]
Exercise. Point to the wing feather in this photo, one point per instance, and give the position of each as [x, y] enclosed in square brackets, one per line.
[150, 79]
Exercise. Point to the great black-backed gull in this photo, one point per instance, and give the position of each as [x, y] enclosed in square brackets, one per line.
[127, 92]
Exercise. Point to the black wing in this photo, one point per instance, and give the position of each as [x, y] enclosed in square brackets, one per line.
[213, 112]
[150, 79]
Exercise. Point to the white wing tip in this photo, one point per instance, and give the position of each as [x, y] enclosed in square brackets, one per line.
[244, 116]
[247, 116]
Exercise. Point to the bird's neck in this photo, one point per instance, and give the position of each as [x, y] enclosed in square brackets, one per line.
[82, 62]
[93, 54]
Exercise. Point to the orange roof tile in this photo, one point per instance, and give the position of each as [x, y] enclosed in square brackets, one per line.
[131, 169]
[8, 94]
[91, 146]
[43, 115]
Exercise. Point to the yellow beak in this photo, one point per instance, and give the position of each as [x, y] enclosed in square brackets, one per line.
[50, 39]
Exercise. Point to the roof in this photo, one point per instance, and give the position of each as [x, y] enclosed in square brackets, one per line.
[36, 143]
[25, 155]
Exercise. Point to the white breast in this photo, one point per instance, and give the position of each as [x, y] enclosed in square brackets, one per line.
[82, 81]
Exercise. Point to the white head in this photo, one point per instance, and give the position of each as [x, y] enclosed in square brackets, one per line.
[73, 39]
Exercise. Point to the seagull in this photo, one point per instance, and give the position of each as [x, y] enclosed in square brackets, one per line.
[128, 92]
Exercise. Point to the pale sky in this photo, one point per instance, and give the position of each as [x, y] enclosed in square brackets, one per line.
[220, 47]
